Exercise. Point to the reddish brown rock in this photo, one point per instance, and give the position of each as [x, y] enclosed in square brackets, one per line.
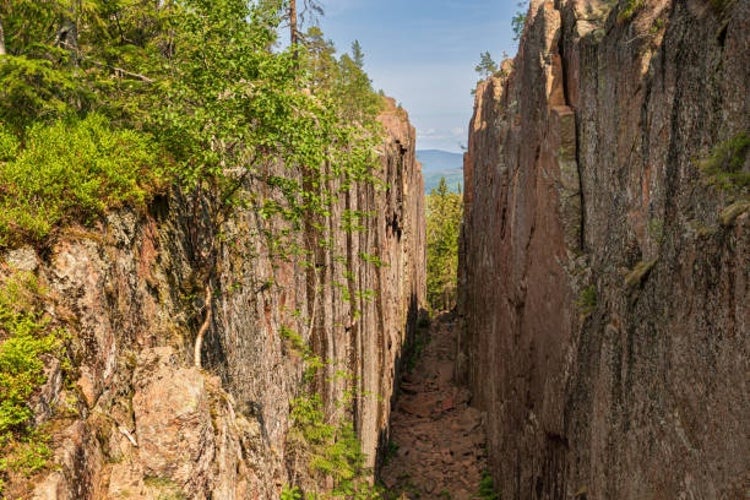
[145, 422]
[605, 303]
[173, 429]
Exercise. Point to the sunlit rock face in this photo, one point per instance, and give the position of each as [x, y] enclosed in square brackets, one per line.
[136, 419]
[604, 276]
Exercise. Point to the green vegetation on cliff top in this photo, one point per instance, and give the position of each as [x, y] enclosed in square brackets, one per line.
[104, 104]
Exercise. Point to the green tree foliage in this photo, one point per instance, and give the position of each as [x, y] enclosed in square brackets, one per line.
[201, 80]
[518, 21]
[444, 214]
[487, 66]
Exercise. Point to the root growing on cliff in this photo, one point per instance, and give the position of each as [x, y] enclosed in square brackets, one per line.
[204, 327]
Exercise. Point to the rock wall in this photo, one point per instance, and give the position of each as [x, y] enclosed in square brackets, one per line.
[605, 279]
[139, 420]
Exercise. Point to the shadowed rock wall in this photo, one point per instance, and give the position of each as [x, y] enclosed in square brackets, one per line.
[140, 421]
[605, 281]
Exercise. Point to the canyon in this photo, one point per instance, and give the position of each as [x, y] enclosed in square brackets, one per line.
[600, 347]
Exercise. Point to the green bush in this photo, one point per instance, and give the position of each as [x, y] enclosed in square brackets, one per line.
[71, 170]
[27, 456]
[629, 9]
[26, 336]
[724, 166]
[587, 300]
[8, 145]
[289, 493]
[21, 371]
[330, 450]
[487, 488]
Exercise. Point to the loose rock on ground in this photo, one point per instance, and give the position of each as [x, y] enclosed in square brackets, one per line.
[437, 447]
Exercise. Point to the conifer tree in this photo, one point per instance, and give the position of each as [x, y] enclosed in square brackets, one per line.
[487, 66]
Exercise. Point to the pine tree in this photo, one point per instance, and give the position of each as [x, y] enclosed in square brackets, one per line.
[358, 56]
[487, 66]
[519, 20]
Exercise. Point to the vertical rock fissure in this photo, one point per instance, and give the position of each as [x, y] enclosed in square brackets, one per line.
[581, 192]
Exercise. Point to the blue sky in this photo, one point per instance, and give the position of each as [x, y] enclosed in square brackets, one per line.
[423, 54]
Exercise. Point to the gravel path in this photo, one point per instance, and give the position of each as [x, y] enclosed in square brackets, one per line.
[437, 440]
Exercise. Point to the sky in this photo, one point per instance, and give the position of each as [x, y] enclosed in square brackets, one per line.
[423, 54]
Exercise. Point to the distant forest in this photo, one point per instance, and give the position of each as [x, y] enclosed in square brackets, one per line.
[437, 164]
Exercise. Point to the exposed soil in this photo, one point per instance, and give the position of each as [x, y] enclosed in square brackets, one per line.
[437, 445]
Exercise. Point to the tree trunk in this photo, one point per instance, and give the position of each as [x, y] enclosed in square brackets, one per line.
[293, 33]
[2, 39]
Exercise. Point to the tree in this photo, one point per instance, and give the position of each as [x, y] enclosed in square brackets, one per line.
[296, 17]
[444, 214]
[357, 98]
[293, 31]
[357, 55]
[519, 20]
[487, 66]
[320, 60]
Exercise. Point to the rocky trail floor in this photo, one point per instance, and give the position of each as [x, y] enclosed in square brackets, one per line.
[438, 441]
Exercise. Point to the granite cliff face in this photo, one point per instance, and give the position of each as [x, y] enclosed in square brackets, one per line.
[139, 420]
[605, 265]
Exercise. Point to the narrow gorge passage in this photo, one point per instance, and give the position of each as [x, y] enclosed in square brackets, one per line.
[438, 441]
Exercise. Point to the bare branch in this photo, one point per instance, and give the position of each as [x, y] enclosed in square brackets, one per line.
[121, 71]
[204, 327]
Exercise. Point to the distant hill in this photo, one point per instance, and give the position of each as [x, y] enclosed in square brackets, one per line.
[437, 164]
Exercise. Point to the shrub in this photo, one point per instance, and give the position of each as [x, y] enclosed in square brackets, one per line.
[724, 166]
[8, 145]
[330, 450]
[587, 300]
[26, 337]
[487, 488]
[289, 493]
[629, 9]
[71, 170]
